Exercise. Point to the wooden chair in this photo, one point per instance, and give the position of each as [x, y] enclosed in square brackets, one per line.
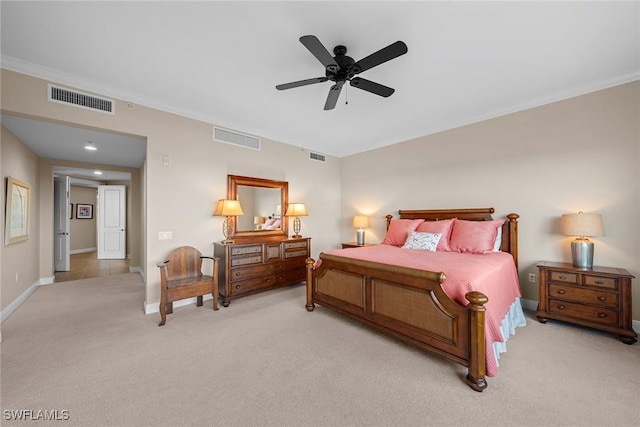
[181, 277]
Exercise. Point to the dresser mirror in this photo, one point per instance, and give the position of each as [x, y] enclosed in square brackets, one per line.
[263, 202]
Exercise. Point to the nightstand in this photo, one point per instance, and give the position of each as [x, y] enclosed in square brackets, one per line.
[355, 245]
[598, 298]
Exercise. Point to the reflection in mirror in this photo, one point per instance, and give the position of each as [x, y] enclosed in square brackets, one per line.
[262, 201]
[259, 206]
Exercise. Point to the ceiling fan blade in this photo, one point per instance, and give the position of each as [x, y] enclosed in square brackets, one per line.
[320, 52]
[332, 98]
[372, 87]
[301, 83]
[383, 55]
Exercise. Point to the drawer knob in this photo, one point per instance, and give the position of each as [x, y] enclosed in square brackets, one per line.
[562, 307]
[562, 277]
[562, 291]
[267, 280]
[268, 268]
[237, 286]
[601, 298]
[237, 273]
[602, 315]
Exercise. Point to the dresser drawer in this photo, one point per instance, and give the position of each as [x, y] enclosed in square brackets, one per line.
[253, 271]
[246, 260]
[584, 312]
[243, 286]
[562, 276]
[295, 245]
[246, 250]
[589, 296]
[602, 282]
[291, 276]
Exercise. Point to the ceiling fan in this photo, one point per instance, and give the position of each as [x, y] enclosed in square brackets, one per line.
[342, 68]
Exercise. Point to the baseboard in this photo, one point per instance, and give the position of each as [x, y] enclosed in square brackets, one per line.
[13, 306]
[155, 307]
[82, 251]
[139, 271]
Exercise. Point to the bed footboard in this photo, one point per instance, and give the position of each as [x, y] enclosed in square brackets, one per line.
[406, 303]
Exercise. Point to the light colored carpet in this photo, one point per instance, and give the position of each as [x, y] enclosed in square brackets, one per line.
[87, 348]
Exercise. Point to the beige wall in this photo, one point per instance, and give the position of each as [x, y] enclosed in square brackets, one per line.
[578, 154]
[82, 234]
[19, 260]
[180, 197]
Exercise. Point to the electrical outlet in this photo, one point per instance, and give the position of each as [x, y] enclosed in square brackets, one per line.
[532, 277]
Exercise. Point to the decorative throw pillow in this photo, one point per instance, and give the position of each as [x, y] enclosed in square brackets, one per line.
[399, 229]
[443, 227]
[269, 222]
[424, 241]
[477, 237]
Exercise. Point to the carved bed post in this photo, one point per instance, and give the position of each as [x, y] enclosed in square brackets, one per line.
[477, 362]
[310, 305]
[513, 236]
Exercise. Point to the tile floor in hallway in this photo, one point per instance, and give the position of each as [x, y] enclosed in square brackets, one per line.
[86, 265]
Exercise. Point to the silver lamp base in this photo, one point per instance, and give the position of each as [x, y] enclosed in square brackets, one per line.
[582, 253]
[360, 237]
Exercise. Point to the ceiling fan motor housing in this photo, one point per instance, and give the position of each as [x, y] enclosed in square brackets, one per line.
[346, 68]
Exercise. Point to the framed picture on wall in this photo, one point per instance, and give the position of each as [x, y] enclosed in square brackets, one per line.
[17, 211]
[84, 211]
[70, 210]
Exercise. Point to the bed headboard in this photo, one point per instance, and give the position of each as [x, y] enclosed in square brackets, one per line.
[509, 228]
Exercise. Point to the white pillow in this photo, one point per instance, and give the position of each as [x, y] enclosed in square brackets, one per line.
[424, 241]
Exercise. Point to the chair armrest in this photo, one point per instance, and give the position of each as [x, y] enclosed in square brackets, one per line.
[162, 264]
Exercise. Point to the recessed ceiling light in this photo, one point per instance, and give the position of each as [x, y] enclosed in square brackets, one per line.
[90, 146]
[97, 172]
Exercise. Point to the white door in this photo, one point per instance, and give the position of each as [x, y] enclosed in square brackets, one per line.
[61, 211]
[112, 224]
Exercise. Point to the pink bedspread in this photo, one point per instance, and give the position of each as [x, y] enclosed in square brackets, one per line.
[495, 275]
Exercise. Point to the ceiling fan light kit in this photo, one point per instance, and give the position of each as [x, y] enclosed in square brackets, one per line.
[342, 68]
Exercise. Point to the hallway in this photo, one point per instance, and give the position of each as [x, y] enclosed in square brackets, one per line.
[87, 265]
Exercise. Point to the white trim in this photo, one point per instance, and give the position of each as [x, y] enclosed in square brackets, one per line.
[81, 251]
[155, 307]
[13, 306]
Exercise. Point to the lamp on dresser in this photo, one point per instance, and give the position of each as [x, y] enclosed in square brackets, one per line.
[296, 210]
[228, 209]
[582, 225]
[360, 222]
[259, 221]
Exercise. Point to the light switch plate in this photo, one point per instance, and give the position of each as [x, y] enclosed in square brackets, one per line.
[165, 235]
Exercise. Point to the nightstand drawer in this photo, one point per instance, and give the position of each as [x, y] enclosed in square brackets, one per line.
[584, 312]
[589, 296]
[563, 276]
[603, 282]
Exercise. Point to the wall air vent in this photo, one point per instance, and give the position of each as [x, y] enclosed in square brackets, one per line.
[235, 138]
[79, 99]
[317, 157]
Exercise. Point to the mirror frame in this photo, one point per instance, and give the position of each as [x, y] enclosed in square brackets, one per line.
[233, 181]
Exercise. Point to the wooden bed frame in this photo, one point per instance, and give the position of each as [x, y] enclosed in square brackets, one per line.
[392, 298]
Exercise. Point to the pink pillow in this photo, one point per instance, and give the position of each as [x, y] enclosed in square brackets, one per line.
[277, 223]
[476, 237]
[443, 227]
[399, 230]
[269, 222]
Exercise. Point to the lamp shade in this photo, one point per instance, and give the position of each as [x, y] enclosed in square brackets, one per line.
[259, 220]
[581, 224]
[296, 209]
[226, 207]
[278, 211]
[360, 221]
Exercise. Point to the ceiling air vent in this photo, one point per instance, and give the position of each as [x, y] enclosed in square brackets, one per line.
[80, 99]
[229, 137]
[318, 157]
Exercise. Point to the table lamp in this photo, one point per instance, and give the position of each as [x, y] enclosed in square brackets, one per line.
[360, 222]
[258, 221]
[582, 225]
[228, 209]
[296, 210]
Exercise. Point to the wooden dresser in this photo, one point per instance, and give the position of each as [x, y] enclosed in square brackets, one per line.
[599, 298]
[250, 267]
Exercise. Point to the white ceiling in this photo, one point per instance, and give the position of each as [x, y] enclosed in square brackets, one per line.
[220, 61]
